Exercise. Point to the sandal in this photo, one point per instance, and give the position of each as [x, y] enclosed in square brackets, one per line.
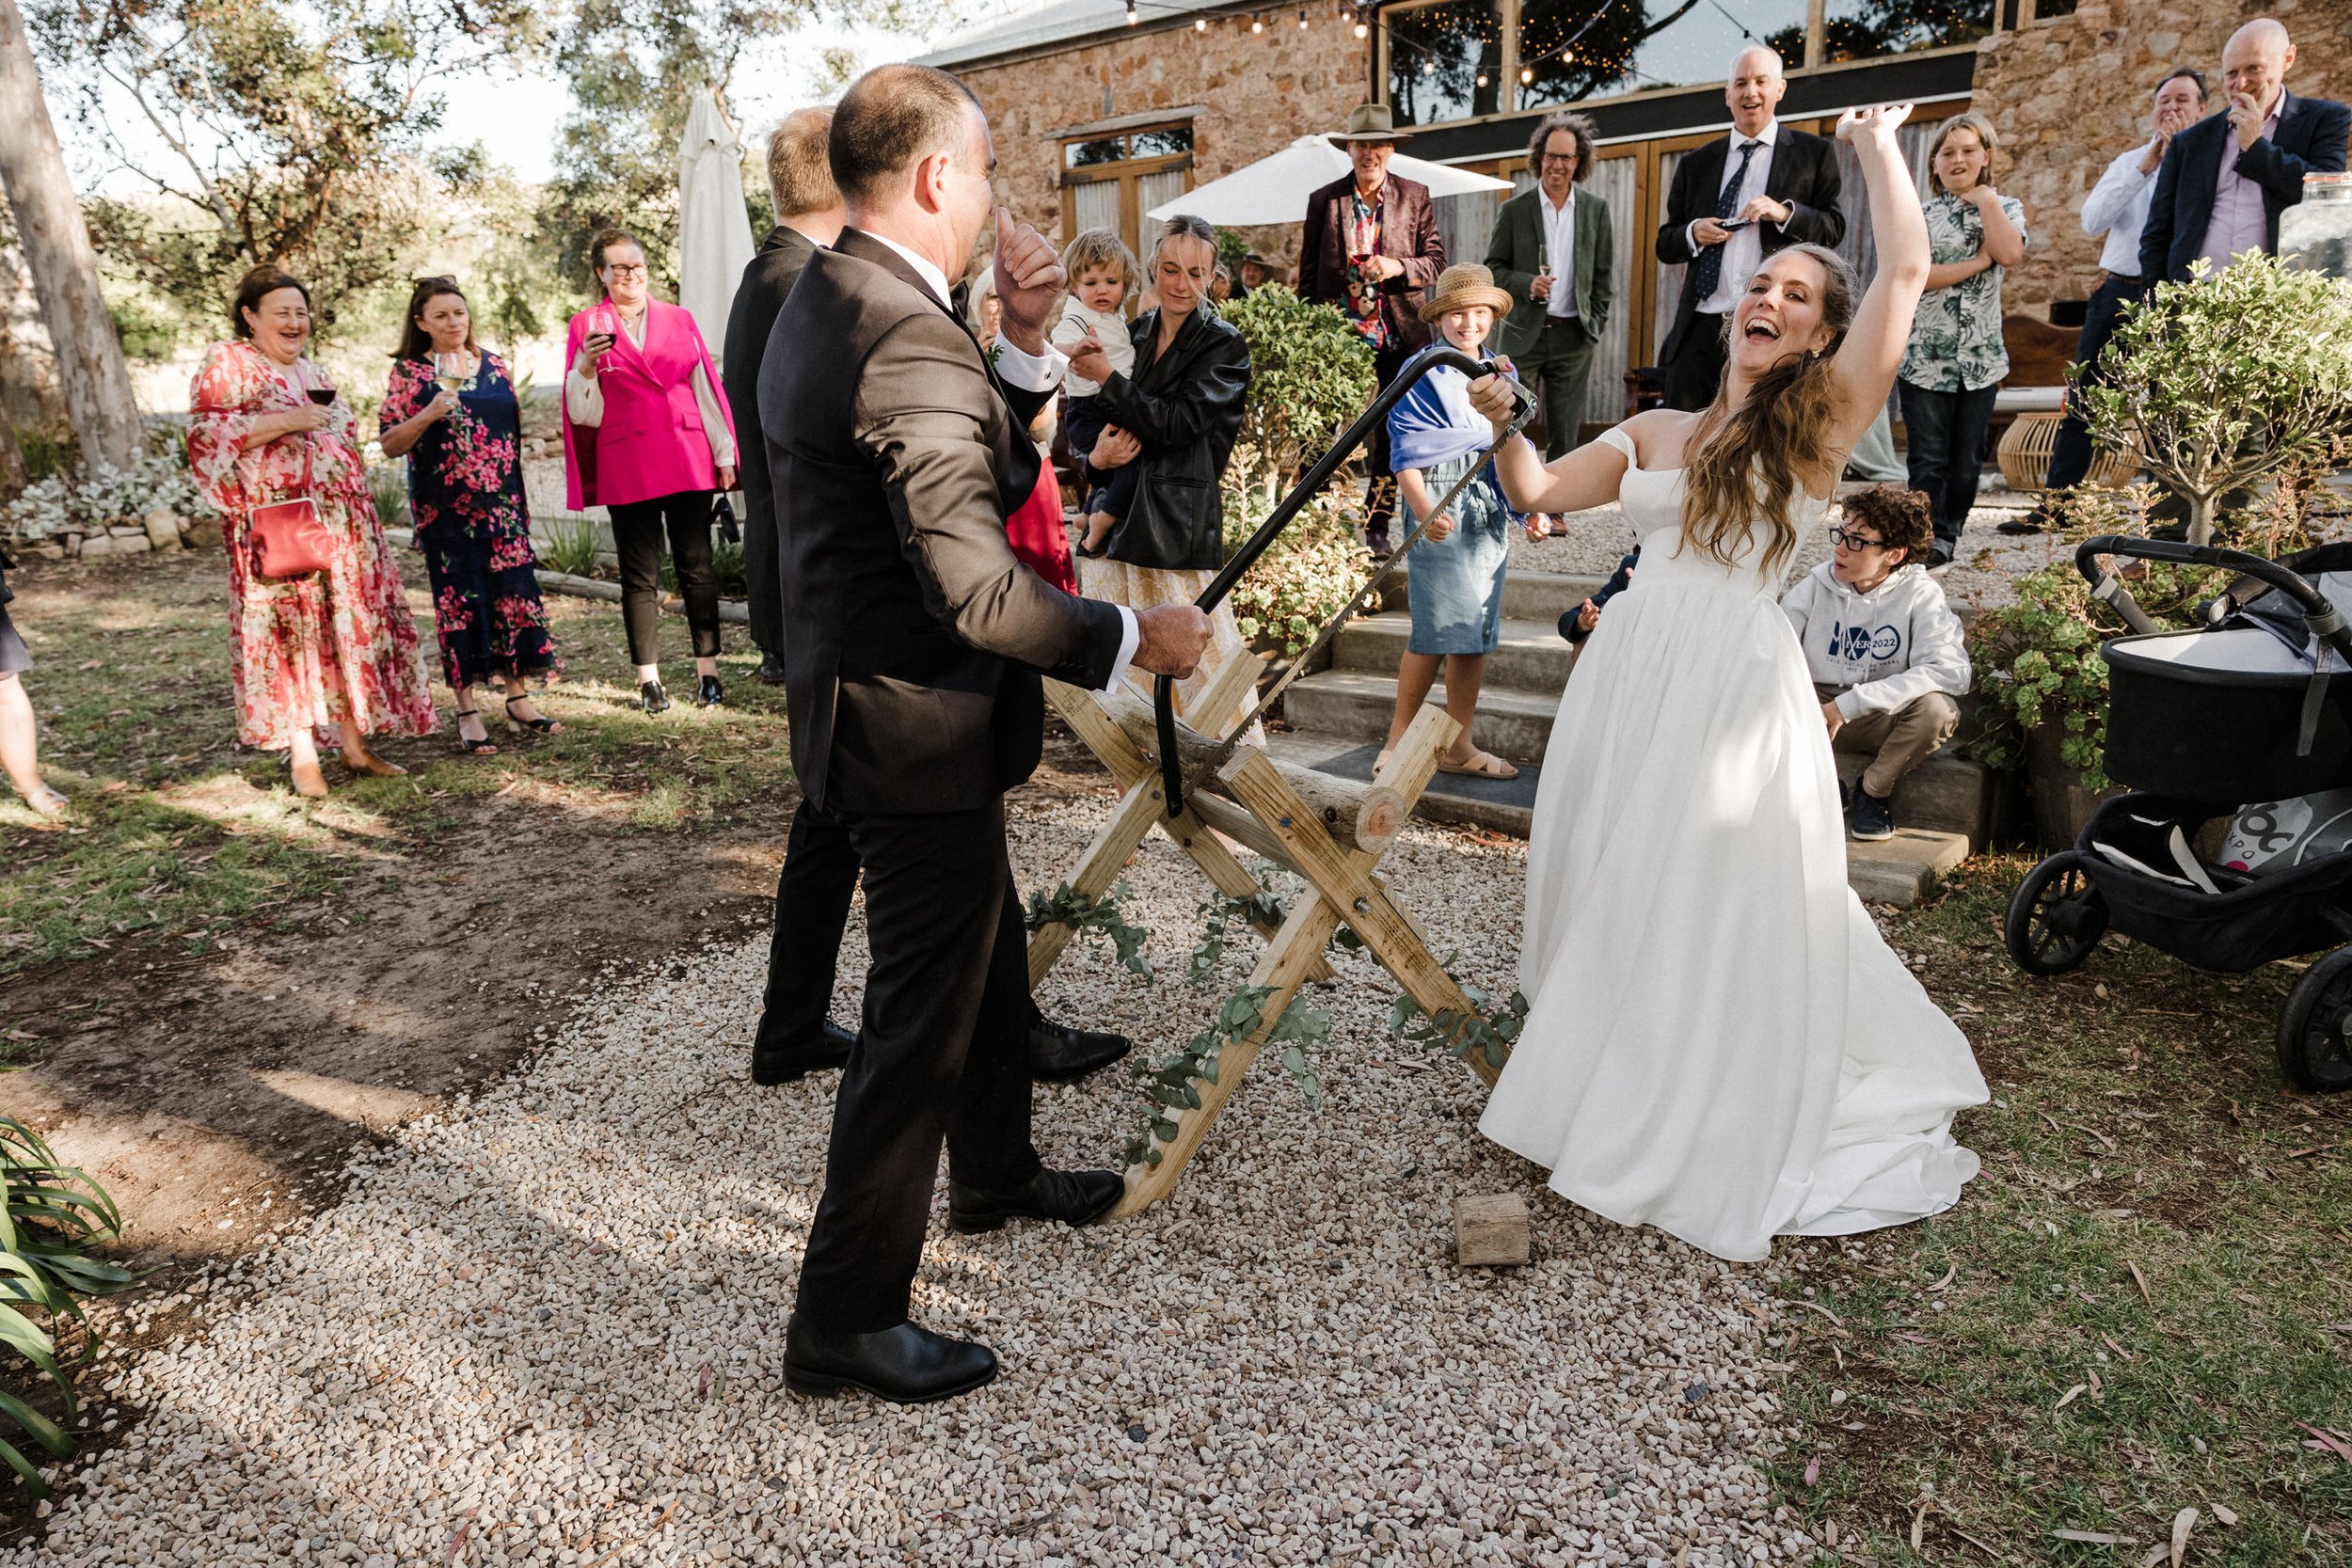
[1482, 764]
[483, 747]
[543, 726]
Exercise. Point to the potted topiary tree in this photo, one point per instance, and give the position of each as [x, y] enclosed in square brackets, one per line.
[2224, 381]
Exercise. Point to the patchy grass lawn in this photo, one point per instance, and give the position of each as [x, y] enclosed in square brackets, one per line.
[2140, 1307]
[176, 833]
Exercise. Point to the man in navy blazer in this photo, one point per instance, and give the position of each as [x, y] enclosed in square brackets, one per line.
[2226, 179]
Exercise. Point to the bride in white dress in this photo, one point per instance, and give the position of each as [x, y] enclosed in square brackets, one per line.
[1719, 1042]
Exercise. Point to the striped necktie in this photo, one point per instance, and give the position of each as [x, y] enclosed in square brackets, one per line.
[1710, 262]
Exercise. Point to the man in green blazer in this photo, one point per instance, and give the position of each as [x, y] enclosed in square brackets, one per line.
[1554, 252]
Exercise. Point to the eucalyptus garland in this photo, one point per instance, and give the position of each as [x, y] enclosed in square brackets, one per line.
[1461, 1033]
[1173, 1086]
[1100, 916]
[1217, 915]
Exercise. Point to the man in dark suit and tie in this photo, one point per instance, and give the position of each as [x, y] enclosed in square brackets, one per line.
[808, 218]
[1733, 202]
[897, 451]
[795, 1036]
[1554, 252]
[2226, 179]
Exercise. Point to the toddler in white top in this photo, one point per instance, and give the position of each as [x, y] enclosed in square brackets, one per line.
[1101, 272]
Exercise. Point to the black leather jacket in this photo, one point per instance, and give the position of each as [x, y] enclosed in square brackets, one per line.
[1186, 408]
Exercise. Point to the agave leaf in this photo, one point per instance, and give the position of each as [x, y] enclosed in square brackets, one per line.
[25, 1467]
[40, 1427]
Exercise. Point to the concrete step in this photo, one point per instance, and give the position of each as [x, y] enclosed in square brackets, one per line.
[1899, 871]
[1526, 595]
[1531, 655]
[1359, 703]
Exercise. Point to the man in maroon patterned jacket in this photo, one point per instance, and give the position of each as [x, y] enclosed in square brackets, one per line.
[1371, 250]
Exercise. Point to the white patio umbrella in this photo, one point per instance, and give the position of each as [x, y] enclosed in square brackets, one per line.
[1276, 188]
[714, 226]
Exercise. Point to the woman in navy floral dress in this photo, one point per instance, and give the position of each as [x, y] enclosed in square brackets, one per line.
[465, 489]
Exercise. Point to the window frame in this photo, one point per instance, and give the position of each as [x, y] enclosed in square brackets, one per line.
[1127, 173]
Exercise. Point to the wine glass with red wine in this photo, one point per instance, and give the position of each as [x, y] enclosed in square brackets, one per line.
[323, 396]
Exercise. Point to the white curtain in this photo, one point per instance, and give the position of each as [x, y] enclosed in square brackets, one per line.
[1669, 294]
[1095, 204]
[1150, 190]
[1612, 180]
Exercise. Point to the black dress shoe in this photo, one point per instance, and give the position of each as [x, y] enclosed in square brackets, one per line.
[1059, 1052]
[905, 1365]
[1072, 1196]
[771, 671]
[653, 698]
[708, 693]
[782, 1064]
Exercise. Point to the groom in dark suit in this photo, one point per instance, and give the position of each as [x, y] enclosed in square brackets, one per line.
[1728, 210]
[2226, 179]
[795, 1036]
[897, 451]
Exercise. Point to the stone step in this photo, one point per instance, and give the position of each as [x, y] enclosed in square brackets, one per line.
[1946, 794]
[1531, 655]
[1526, 595]
[1899, 871]
[1359, 703]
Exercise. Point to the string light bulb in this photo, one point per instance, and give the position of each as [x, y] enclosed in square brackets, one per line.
[1302, 22]
[1257, 24]
[1200, 24]
[1362, 28]
[1132, 18]
[1527, 75]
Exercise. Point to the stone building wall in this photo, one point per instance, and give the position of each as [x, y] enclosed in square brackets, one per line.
[1257, 93]
[2069, 95]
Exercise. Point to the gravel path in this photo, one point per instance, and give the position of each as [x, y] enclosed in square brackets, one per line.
[546, 1326]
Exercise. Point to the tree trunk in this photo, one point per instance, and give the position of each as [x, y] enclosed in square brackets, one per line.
[2200, 507]
[64, 265]
[12, 476]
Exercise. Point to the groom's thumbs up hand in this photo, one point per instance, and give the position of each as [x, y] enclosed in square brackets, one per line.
[1029, 281]
[1171, 639]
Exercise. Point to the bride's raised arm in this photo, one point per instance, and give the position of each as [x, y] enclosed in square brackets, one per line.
[1580, 481]
[1865, 365]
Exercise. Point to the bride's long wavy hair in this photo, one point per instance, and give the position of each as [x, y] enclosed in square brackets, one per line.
[1749, 461]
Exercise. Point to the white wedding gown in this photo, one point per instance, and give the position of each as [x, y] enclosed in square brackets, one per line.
[1720, 1043]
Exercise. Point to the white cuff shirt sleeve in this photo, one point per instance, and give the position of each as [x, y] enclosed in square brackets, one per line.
[1131, 634]
[1030, 372]
[714, 421]
[583, 400]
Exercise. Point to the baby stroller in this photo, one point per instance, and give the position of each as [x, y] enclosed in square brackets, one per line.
[2253, 706]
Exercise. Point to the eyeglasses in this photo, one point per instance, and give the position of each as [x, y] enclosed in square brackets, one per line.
[1551, 158]
[629, 269]
[1845, 541]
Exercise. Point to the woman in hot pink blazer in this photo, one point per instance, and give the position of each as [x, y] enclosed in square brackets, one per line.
[649, 435]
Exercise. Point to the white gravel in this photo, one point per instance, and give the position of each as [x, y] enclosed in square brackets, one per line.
[548, 1325]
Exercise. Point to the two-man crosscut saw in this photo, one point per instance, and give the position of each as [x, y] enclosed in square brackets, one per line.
[1309, 487]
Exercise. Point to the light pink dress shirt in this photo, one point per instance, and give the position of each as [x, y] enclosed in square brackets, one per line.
[2238, 223]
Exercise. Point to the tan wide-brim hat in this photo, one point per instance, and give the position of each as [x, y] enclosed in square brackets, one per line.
[1370, 123]
[1462, 285]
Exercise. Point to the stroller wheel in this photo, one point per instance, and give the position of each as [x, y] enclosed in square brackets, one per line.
[2056, 917]
[2313, 1052]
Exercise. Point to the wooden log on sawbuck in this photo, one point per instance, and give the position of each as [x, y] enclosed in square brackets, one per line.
[1365, 816]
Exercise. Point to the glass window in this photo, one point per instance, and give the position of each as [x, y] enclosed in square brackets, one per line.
[1445, 61]
[1864, 29]
[1658, 43]
[1092, 154]
[1160, 144]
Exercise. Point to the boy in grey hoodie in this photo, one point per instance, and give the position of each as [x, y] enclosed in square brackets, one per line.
[1884, 649]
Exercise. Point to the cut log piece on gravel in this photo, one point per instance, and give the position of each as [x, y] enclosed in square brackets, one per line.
[1490, 1230]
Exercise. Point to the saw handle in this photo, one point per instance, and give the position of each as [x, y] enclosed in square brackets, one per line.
[1310, 485]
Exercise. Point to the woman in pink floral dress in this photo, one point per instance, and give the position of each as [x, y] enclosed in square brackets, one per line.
[334, 650]
[473, 520]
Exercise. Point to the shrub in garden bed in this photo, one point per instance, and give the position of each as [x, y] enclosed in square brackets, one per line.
[68, 514]
[52, 1219]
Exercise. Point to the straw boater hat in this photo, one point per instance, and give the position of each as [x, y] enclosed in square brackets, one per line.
[1462, 285]
[1370, 123]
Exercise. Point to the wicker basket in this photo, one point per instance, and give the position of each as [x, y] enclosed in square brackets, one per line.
[2024, 455]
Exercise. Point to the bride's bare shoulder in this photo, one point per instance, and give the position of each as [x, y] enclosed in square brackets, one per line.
[1659, 436]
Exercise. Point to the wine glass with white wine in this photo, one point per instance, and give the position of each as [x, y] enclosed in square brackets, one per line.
[449, 370]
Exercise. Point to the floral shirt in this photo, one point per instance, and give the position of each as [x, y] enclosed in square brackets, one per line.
[1956, 337]
[1363, 295]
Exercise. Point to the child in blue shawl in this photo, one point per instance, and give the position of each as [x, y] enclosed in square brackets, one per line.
[1457, 565]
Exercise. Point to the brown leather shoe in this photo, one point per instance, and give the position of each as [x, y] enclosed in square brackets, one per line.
[373, 765]
[309, 779]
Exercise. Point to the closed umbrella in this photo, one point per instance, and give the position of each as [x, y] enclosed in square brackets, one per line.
[714, 227]
[1276, 188]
